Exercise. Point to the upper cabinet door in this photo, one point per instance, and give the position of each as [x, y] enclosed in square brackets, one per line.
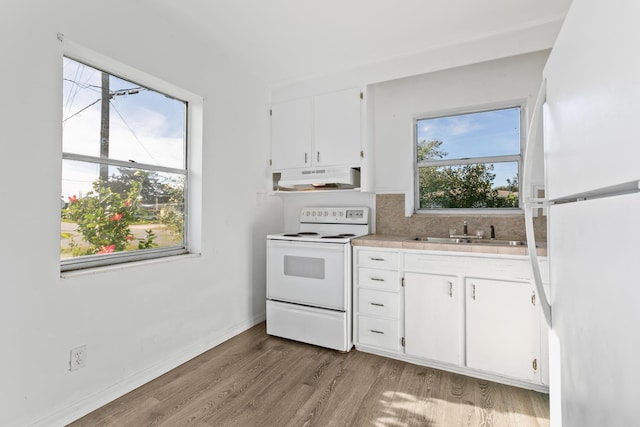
[291, 133]
[337, 130]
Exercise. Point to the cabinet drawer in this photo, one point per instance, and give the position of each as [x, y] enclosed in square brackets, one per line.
[378, 259]
[378, 279]
[378, 332]
[378, 303]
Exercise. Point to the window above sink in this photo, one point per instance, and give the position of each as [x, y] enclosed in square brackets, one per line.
[469, 160]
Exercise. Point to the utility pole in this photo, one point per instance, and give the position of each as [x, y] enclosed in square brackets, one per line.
[104, 126]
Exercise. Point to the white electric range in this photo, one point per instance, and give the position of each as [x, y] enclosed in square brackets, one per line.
[309, 277]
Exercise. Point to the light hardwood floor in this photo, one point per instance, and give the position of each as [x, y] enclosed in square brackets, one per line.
[257, 380]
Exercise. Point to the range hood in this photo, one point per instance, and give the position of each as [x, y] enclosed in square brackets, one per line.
[319, 179]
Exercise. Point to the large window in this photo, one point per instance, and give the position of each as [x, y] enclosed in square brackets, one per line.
[468, 161]
[124, 170]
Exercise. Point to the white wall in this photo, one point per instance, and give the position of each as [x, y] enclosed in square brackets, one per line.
[140, 321]
[388, 159]
[502, 45]
[399, 102]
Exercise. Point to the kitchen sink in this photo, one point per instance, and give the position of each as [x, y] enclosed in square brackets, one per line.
[470, 240]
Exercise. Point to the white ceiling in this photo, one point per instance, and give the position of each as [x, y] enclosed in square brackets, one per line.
[289, 40]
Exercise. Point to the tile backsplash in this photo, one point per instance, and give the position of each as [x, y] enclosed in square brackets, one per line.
[390, 219]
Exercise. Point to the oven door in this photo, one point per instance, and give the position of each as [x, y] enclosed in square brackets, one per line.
[308, 273]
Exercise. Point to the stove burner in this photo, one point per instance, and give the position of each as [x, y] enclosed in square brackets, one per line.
[307, 233]
[347, 235]
[291, 235]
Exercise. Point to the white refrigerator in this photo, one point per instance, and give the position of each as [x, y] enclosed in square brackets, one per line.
[592, 173]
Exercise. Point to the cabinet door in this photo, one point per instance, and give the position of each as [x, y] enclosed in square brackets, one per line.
[503, 332]
[432, 317]
[291, 134]
[337, 128]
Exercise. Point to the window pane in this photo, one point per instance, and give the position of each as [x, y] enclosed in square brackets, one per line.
[488, 133]
[143, 125]
[480, 185]
[135, 209]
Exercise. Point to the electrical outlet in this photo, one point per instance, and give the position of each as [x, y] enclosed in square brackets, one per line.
[78, 358]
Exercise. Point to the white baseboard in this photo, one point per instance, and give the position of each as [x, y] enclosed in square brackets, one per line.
[66, 415]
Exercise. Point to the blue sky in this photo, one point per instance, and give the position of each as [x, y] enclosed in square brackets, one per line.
[481, 134]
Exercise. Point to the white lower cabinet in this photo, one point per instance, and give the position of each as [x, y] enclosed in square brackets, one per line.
[476, 315]
[502, 328]
[432, 317]
[377, 300]
[378, 303]
[378, 332]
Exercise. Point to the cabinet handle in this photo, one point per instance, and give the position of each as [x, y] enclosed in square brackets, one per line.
[376, 332]
[376, 279]
[473, 292]
[318, 157]
[451, 289]
[376, 259]
[377, 304]
[305, 158]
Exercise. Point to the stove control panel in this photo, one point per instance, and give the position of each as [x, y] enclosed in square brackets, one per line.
[337, 215]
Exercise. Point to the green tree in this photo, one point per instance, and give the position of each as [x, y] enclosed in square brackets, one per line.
[153, 189]
[510, 200]
[156, 190]
[464, 186]
[430, 150]
[431, 179]
[172, 212]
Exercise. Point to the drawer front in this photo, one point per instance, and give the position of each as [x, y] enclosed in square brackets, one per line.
[504, 268]
[378, 332]
[378, 279]
[378, 303]
[378, 259]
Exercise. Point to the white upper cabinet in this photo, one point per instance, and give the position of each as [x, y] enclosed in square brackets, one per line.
[291, 133]
[337, 128]
[324, 130]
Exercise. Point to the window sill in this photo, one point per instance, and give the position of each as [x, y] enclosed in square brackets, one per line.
[125, 265]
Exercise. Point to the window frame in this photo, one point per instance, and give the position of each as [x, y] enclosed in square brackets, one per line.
[192, 165]
[521, 104]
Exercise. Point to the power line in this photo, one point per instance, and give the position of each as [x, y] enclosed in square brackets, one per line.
[82, 85]
[131, 130]
[119, 92]
[73, 90]
[80, 111]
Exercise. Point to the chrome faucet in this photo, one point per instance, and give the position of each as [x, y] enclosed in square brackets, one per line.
[465, 229]
[493, 232]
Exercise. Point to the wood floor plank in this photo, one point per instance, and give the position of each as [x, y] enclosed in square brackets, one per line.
[232, 383]
[341, 397]
[260, 393]
[258, 380]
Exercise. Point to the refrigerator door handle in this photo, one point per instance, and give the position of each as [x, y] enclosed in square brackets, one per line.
[530, 201]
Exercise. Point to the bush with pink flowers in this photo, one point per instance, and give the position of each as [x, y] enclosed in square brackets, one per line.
[103, 218]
